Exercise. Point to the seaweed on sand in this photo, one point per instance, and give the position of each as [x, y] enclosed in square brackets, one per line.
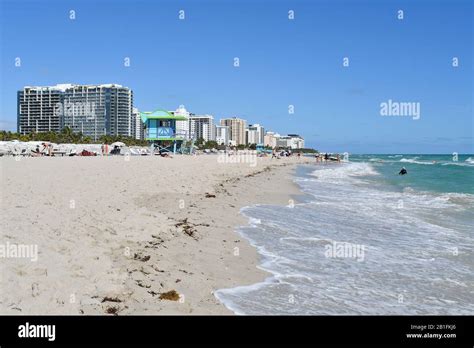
[171, 295]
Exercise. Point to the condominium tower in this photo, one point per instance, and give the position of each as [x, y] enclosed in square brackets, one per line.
[39, 109]
[222, 135]
[254, 134]
[293, 141]
[270, 139]
[201, 126]
[236, 130]
[182, 126]
[139, 126]
[94, 110]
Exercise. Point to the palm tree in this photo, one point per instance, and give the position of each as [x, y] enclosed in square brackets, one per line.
[67, 135]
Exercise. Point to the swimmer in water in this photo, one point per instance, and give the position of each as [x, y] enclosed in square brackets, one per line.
[403, 171]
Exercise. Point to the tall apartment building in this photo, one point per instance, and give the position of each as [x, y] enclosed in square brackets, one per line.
[236, 130]
[202, 126]
[97, 110]
[39, 109]
[94, 110]
[182, 126]
[254, 134]
[222, 135]
[293, 141]
[271, 139]
[139, 129]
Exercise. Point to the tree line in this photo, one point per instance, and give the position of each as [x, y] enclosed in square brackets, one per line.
[68, 136]
[211, 144]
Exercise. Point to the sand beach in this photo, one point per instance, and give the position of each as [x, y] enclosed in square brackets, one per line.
[130, 234]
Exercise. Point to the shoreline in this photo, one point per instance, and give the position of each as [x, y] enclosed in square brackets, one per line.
[297, 197]
[135, 234]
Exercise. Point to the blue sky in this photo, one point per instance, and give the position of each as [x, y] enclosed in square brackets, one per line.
[282, 62]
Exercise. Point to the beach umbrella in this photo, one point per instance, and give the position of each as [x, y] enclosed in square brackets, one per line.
[118, 143]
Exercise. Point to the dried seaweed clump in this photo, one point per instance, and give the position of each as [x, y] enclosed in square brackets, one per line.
[171, 295]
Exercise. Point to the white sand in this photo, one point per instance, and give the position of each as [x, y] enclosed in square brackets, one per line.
[90, 217]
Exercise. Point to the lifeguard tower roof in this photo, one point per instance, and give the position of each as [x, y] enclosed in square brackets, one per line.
[160, 115]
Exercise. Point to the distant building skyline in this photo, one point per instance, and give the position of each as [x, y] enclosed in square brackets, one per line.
[107, 109]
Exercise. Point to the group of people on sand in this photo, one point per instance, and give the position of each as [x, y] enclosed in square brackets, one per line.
[325, 158]
[283, 153]
[47, 150]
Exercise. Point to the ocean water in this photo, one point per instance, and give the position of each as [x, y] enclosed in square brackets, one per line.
[367, 241]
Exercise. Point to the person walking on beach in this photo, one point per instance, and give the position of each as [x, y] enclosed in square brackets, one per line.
[105, 149]
[43, 151]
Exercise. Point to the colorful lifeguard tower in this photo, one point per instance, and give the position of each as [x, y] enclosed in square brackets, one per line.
[160, 130]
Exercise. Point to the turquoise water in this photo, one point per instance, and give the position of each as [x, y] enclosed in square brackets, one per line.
[438, 173]
[409, 240]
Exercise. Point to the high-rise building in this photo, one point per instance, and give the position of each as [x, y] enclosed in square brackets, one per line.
[293, 141]
[182, 126]
[39, 109]
[201, 126]
[97, 110]
[236, 130]
[270, 139]
[139, 129]
[94, 110]
[222, 135]
[254, 134]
